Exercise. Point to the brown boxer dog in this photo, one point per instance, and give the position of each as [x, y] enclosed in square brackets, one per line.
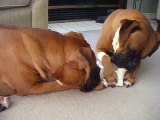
[29, 55]
[126, 38]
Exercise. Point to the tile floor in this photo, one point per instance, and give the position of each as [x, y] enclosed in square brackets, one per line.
[79, 26]
[82, 26]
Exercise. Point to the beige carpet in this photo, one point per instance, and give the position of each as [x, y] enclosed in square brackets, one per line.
[139, 102]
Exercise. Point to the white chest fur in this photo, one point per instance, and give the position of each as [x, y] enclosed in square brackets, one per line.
[115, 42]
[119, 71]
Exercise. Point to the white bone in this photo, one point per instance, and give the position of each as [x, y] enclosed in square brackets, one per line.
[120, 75]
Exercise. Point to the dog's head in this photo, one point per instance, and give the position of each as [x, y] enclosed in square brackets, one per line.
[84, 58]
[134, 41]
[92, 70]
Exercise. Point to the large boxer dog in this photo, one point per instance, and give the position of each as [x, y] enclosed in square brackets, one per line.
[28, 57]
[126, 38]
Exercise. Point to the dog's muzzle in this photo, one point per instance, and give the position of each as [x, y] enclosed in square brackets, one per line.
[128, 61]
[93, 81]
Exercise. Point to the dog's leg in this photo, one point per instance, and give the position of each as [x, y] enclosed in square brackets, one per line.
[46, 87]
[5, 90]
[130, 77]
[109, 72]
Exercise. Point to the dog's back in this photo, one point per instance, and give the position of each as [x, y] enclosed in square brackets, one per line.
[27, 54]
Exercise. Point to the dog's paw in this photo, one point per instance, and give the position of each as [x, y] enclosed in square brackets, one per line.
[4, 103]
[105, 83]
[128, 84]
[112, 84]
[112, 80]
[2, 108]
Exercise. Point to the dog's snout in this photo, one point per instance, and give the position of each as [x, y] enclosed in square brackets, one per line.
[93, 81]
[125, 61]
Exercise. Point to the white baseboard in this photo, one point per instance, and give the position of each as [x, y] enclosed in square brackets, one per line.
[151, 15]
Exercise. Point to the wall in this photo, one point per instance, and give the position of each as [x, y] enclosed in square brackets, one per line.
[148, 7]
[158, 11]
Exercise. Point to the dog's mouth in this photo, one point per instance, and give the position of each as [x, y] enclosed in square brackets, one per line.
[93, 81]
[128, 60]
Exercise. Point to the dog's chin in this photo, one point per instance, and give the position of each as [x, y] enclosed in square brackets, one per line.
[124, 61]
[93, 81]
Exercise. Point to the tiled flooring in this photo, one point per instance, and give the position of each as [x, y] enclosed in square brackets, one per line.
[79, 26]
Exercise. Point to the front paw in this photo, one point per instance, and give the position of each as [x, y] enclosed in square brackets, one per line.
[112, 84]
[111, 79]
[129, 80]
[4, 103]
[128, 83]
[108, 79]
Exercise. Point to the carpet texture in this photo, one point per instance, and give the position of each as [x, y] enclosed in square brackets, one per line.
[139, 102]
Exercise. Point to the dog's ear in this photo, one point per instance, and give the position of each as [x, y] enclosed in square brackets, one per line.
[152, 45]
[82, 58]
[127, 27]
[78, 37]
[75, 35]
[79, 64]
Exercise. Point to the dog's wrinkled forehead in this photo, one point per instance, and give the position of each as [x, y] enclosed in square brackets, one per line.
[125, 55]
[128, 60]
[122, 34]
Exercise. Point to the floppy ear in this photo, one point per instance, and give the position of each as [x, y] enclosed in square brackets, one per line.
[152, 45]
[127, 27]
[79, 64]
[74, 35]
[82, 58]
